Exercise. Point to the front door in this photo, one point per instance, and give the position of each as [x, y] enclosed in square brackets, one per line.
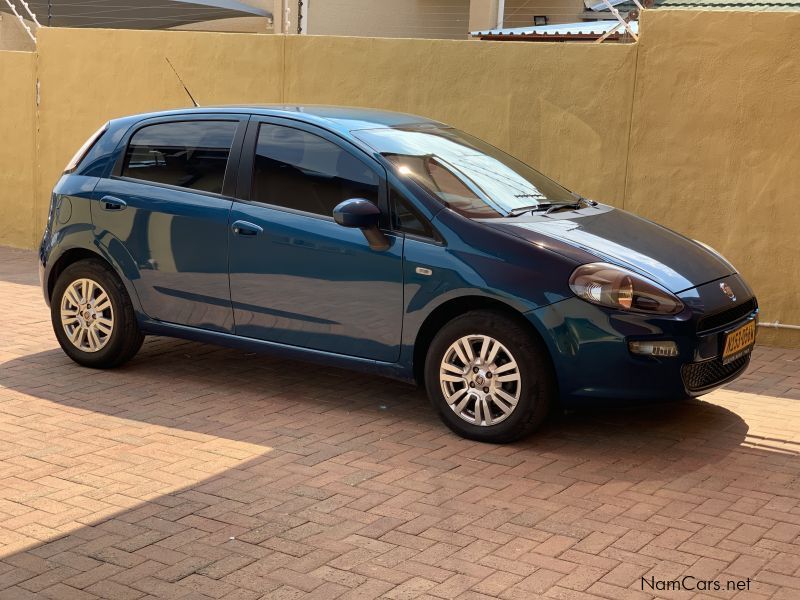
[297, 277]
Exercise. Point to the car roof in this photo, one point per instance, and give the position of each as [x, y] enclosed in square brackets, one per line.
[340, 118]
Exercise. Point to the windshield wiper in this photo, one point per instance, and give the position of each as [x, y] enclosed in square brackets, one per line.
[515, 212]
[549, 207]
[577, 204]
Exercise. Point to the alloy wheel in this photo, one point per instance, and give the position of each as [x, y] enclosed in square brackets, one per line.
[87, 315]
[480, 380]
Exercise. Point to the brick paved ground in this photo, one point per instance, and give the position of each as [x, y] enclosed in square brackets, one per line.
[198, 472]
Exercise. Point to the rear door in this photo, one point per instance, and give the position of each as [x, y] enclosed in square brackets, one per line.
[297, 277]
[168, 202]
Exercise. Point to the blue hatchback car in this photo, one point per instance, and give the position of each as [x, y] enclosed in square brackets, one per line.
[387, 243]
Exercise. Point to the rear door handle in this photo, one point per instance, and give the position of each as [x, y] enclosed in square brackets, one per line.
[246, 228]
[113, 203]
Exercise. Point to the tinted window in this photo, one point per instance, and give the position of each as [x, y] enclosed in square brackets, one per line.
[188, 154]
[303, 171]
[406, 219]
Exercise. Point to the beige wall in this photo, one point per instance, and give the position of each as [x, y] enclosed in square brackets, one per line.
[520, 13]
[483, 15]
[389, 18]
[17, 147]
[695, 126]
[13, 35]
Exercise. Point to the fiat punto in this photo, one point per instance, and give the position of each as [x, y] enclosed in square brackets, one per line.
[387, 243]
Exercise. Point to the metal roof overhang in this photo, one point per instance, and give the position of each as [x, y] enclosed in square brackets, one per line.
[554, 33]
[133, 14]
[579, 37]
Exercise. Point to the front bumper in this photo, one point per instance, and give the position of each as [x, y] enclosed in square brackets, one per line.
[589, 346]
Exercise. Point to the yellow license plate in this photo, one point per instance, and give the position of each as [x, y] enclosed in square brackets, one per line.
[739, 342]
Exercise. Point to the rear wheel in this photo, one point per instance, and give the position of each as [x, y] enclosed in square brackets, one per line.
[488, 378]
[93, 317]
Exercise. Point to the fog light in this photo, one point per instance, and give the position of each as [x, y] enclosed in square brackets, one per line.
[662, 348]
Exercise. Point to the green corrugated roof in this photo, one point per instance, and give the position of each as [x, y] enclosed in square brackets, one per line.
[749, 5]
[731, 4]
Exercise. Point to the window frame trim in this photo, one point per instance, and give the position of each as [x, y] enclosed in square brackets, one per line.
[231, 168]
[244, 180]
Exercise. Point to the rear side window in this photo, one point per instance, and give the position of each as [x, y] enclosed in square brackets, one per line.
[303, 171]
[187, 154]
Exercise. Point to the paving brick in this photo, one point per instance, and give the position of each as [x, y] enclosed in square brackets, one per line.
[410, 589]
[496, 583]
[745, 566]
[110, 589]
[200, 472]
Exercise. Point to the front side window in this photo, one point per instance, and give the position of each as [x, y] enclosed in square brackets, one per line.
[187, 154]
[299, 170]
[465, 173]
[407, 219]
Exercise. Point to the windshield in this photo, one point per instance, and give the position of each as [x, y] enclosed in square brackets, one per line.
[468, 175]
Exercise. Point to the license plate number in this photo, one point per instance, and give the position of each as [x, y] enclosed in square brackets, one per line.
[739, 342]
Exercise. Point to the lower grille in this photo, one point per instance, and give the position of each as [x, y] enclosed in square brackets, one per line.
[708, 373]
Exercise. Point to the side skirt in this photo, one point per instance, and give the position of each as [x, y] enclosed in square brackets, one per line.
[328, 359]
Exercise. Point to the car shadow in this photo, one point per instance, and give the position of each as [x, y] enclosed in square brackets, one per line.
[205, 389]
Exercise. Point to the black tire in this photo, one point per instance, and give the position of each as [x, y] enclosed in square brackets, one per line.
[536, 384]
[125, 338]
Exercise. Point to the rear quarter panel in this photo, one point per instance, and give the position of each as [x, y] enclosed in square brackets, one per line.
[71, 228]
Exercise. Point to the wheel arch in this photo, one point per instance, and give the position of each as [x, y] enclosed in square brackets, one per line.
[79, 253]
[69, 257]
[455, 307]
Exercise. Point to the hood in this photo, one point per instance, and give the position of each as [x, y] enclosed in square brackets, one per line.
[615, 236]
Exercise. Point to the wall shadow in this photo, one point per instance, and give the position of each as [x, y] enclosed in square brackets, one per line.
[18, 266]
[289, 520]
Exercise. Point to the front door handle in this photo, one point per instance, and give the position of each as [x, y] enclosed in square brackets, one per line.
[113, 203]
[246, 228]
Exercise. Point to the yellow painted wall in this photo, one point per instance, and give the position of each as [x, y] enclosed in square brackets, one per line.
[715, 143]
[90, 76]
[17, 147]
[554, 105]
[695, 127]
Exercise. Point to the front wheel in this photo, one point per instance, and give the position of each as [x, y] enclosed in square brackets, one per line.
[489, 379]
[93, 317]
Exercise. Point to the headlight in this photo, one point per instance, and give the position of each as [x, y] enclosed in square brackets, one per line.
[615, 287]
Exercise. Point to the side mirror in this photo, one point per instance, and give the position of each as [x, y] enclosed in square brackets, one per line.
[357, 212]
[361, 213]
